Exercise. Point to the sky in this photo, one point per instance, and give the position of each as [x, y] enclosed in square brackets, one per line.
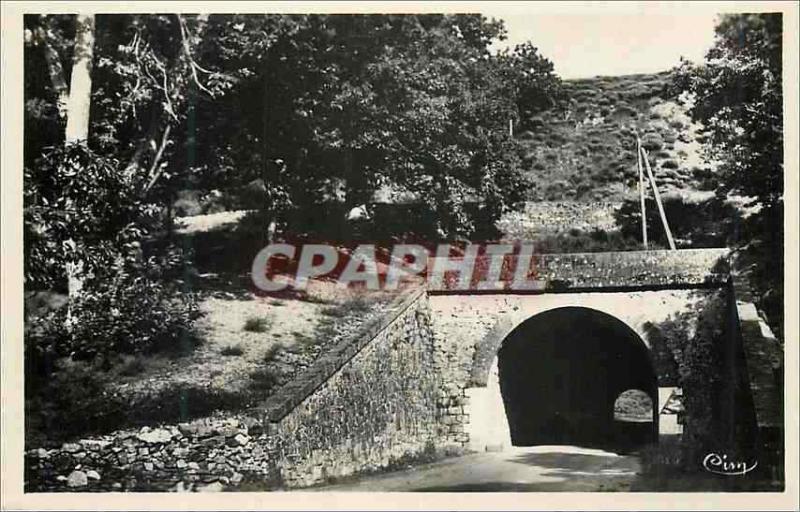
[582, 44]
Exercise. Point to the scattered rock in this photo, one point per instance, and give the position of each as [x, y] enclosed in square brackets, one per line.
[194, 465]
[159, 435]
[227, 430]
[116, 485]
[236, 478]
[182, 487]
[181, 464]
[77, 479]
[94, 475]
[94, 445]
[148, 466]
[214, 441]
[71, 447]
[212, 487]
[239, 440]
[254, 427]
[199, 430]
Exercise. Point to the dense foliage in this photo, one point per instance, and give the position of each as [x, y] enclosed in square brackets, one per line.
[737, 95]
[692, 350]
[299, 117]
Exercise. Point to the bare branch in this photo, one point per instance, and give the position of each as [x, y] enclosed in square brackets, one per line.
[188, 52]
[155, 171]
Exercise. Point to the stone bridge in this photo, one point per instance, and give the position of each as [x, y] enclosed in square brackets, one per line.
[547, 366]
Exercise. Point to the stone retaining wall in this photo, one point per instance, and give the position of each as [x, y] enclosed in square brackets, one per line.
[367, 403]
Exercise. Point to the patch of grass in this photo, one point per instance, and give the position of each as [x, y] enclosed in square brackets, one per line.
[273, 351]
[302, 338]
[356, 305]
[264, 379]
[232, 350]
[257, 324]
[131, 366]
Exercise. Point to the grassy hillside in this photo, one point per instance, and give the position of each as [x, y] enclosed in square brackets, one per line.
[585, 150]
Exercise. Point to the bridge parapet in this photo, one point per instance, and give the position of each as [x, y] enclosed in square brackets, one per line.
[616, 271]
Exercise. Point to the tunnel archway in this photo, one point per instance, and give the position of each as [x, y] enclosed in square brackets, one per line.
[561, 373]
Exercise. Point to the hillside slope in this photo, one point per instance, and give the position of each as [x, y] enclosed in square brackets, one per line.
[585, 150]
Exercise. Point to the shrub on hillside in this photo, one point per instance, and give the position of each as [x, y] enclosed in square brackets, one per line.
[132, 311]
[706, 222]
[82, 208]
[652, 142]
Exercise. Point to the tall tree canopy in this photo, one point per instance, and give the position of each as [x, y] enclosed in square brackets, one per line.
[306, 107]
[737, 94]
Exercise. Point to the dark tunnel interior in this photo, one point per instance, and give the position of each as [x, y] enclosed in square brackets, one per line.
[561, 372]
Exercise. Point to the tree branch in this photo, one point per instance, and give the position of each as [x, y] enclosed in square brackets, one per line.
[156, 171]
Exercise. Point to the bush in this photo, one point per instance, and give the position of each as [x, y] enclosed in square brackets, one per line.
[131, 366]
[652, 143]
[264, 379]
[127, 313]
[257, 324]
[273, 351]
[83, 208]
[232, 350]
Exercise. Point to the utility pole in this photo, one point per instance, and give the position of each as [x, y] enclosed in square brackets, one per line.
[641, 190]
[658, 199]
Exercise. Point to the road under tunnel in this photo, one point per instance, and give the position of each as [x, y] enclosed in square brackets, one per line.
[562, 371]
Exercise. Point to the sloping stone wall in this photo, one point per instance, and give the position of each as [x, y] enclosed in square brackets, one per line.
[377, 407]
[365, 404]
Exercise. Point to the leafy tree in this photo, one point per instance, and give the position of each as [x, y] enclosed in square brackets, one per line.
[86, 211]
[737, 94]
[360, 102]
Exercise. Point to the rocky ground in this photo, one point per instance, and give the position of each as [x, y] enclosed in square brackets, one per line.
[204, 455]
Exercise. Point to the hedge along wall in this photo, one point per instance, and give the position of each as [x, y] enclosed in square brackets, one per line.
[367, 402]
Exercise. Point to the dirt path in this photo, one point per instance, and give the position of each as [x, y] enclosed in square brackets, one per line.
[539, 468]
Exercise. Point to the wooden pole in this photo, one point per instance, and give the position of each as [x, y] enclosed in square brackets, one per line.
[641, 191]
[658, 200]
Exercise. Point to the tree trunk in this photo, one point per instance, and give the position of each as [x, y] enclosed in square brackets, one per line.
[80, 91]
[80, 100]
[268, 172]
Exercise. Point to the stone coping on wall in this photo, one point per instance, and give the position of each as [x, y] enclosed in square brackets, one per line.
[277, 406]
[616, 271]
[764, 358]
